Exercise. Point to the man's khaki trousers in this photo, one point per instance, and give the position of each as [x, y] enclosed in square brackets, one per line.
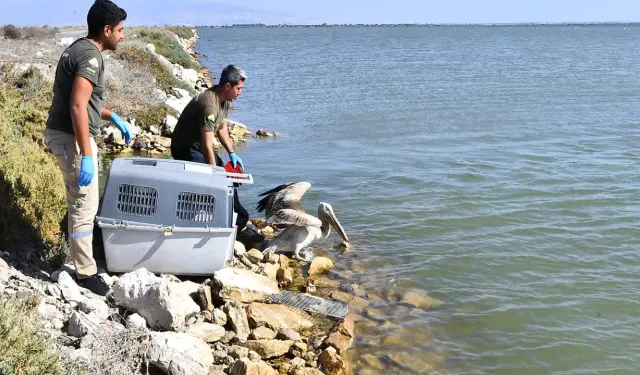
[82, 202]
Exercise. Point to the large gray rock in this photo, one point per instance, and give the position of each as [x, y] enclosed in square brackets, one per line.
[169, 125]
[68, 268]
[5, 271]
[54, 291]
[242, 285]
[238, 320]
[81, 324]
[69, 288]
[206, 331]
[95, 307]
[136, 321]
[179, 353]
[190, 288]
[190, 76]
[164, 305]
[219, 317]
[177, 103]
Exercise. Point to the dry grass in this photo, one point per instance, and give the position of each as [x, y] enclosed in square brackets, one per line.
[28, 32]
[23, 350]
[130, 90]
[43, 53]
[11, 32]
[116, 352]
[138, 55]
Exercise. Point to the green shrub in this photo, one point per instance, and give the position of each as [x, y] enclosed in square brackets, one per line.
[153, 115]
[182, 31]
[168, 46]
[142, 57]
[32, 193]
[23, 350]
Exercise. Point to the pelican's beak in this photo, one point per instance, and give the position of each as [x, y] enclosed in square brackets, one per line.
[335, 224]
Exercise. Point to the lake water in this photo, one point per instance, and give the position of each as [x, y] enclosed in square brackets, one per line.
[495, 168]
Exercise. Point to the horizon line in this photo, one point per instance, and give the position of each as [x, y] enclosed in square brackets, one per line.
[326, 24]
[486, 24]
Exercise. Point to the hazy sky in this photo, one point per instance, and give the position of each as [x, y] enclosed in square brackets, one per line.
[212, 12]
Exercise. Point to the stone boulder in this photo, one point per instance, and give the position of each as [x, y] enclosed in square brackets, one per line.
[190, 76]
[96, 307]
[69, 288]
[136, 321]
[420, 300]
[163, 304]
[342, 338]
[320, 265]
[177, 103]
[242, 285]
[332, 364]
[277, 317]
[5, 271]
[206, 331]
[262, 333]
[238, 320]
[81, 324]
[269, 348]
[179, 353]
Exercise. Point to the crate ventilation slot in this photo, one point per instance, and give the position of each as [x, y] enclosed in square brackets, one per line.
[137, 200]
[194, 207]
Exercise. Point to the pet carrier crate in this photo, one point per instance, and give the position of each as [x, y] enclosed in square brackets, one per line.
[168, 216]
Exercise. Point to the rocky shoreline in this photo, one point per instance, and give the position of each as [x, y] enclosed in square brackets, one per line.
[161, 323]
[222, 325]
[157, 138]
[164, 324]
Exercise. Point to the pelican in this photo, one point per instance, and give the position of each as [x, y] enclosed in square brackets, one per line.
[282, 208]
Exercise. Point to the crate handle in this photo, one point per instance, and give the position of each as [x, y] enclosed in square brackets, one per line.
[241, 178]
[167, 231]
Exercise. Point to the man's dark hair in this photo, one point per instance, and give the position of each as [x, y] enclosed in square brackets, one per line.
[103, 13]
[232, 74]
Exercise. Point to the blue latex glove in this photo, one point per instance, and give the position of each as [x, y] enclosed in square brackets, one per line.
[86, 171]
[235, 160]
[122, 126]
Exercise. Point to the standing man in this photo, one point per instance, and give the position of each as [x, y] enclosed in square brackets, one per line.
[74, 120]
[205, 117]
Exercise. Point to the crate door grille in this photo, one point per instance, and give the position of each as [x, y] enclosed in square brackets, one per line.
[137, 200]
[194, 207]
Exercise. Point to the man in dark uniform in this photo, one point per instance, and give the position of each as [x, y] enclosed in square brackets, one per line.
[202, 119]
[74, 120]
